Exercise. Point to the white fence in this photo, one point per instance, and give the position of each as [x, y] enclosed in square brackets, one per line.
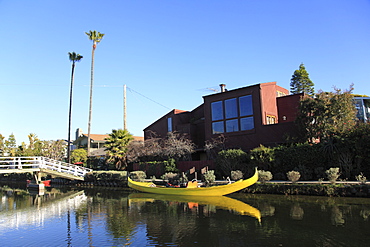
[7, 164]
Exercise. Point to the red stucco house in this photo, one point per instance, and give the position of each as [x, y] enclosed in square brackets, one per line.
[247, 117]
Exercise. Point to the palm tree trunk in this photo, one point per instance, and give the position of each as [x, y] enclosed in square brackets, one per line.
[91, 92]
[70, 115]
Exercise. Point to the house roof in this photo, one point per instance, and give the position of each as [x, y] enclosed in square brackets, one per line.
[99, 137]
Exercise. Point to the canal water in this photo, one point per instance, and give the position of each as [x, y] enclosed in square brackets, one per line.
[116, 217]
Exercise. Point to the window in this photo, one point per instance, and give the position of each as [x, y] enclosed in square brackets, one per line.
[231, 115]
[217, 111]
[218, 127]
[246, 123]
[245, 105]
[232, 125]
[169, 124]
[270, 119]
[231, 108]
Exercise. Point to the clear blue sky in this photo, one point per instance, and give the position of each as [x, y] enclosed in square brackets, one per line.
[167, 52]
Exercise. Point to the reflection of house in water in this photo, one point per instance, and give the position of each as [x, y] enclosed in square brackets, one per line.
[363, 108]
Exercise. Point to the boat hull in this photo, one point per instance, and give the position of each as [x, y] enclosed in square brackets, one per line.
[221, 190]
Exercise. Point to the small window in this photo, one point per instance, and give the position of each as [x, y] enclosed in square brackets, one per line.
[246, 123]
[169, 124]
[218, 127]
[217, 111]
[270, 119]
[232, 125]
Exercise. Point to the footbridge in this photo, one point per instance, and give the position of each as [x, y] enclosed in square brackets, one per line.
[38, 164]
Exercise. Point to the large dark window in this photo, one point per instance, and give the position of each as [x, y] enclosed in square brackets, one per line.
[231, 115]
[231, 108]
[217, 111]
[245, 105]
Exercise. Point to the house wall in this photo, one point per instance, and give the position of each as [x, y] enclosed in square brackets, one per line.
[265, 101]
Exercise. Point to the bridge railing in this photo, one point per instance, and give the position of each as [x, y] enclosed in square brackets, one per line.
[38, 162]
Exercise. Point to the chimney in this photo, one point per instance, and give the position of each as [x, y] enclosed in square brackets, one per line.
[223, 88]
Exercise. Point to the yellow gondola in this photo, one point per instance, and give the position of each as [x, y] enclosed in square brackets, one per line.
[220, 190]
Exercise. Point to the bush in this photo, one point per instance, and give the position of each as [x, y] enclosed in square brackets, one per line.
[236, 175]
[293, 176]
[139, 175]
[361, 178]
[332, 174]
[264, 176]
[209, 177]
[231, 160]
[262, 157]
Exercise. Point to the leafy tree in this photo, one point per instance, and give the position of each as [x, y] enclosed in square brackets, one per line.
[325, 115]
[95, 37]
[53, 149]
[73, 57]
[2, 145]
[79, 155]
[116, 146]
[301, 83]
[11, 146]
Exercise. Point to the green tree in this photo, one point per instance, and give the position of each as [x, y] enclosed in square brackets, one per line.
[325, 115]
[73, 57]
[11, 146]
[79, 155]
[2, 145]
[95, 37]
[301, 83]
[116, 146]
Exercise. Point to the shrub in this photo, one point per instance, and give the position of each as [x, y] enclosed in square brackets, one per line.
[293, 176]
[361, 178]
[264, 176]
[231, 160]
[236, 175]
[262, 157]
[333, 174]
[209, 177]
[139, 175]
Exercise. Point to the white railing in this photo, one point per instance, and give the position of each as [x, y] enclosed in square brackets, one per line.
[38, 162]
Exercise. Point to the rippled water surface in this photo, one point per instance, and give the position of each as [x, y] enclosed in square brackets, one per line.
[108, 217]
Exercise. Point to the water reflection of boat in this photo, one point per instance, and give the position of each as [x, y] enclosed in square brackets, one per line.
[220, 190]
[222, 202]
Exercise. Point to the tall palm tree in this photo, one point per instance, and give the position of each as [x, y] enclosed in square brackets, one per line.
[96, 37]
[73, 57]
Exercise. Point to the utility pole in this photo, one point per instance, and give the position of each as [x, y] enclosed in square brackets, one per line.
[124, 107]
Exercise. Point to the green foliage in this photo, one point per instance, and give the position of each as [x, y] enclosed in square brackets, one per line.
[361, 178]
[116, 146]
[170, 166]
[236, 175]
[262, 157]
[79, 155]
[301, 83]
[209, 177]
[231, 160]
[293, 176]
[332, 174]
[107, 176]
[138, 175]
[264, 176]
[326, 115]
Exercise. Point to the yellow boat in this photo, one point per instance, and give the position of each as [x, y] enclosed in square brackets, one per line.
[222, 202]
[220, 190]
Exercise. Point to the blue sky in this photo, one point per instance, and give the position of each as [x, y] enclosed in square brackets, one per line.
[167, 52]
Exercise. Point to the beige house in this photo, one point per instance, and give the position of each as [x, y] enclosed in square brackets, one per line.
[96, 142]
